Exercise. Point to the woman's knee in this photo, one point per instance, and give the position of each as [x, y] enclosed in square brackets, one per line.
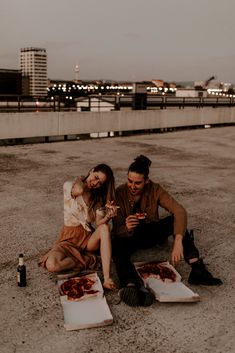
[52, 265]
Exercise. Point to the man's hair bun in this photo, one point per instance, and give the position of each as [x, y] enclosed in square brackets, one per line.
[143, 159]
[140, 165]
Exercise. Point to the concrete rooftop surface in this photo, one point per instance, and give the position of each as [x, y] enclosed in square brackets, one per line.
[196, 166]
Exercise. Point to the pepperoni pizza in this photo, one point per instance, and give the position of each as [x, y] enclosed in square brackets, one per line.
[157, 269]
[78, 288]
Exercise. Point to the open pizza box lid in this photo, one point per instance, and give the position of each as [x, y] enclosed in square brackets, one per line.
[91, 311]
[168, 291]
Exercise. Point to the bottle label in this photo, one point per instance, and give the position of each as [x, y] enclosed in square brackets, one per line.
[18, 277]
[21, 261]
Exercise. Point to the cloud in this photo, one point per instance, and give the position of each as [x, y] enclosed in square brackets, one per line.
[9, 61]
[8, 56]
[54, 45]
[132, 36]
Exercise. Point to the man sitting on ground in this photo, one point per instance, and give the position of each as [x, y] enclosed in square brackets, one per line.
[142, 196]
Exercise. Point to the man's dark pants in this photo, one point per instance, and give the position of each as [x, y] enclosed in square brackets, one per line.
[145, 236]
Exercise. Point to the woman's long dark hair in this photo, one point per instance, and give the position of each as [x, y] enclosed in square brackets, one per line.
[106, 192]
[140, 165]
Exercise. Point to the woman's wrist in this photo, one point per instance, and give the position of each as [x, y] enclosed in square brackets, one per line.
[107, 218]
[178, 237]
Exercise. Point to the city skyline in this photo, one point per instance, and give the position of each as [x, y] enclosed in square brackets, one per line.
[131, 40]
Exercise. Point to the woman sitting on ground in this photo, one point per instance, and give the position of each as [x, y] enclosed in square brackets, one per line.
[88, 208]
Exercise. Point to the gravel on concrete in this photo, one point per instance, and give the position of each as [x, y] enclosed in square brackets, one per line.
[196, 166]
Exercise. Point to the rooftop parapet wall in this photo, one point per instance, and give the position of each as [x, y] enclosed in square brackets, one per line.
[43, 124]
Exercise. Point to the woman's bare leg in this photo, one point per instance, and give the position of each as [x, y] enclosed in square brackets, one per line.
[101, 239]
[57, 262]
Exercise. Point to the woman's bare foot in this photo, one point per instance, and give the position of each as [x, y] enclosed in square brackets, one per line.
[109, 284]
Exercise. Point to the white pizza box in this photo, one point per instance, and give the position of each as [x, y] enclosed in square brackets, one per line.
[169, 291]
[88, 312]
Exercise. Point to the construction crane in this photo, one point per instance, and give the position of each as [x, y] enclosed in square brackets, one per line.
[204, 84]
[208, 81]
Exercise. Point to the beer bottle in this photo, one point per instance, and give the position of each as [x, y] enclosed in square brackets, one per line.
[21, 272]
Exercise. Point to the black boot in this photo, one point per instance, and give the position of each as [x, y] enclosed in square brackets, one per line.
[200, 275]
[190, 249]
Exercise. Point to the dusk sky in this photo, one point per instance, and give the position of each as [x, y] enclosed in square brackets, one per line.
[173, 40]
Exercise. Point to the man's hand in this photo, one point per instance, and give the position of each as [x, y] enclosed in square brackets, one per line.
[131, 222]
[177, 252]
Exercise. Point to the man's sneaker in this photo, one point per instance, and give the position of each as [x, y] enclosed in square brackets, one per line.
[133, 296]
[200, 275]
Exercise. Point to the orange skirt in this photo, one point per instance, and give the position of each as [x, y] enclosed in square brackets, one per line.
[72, 243]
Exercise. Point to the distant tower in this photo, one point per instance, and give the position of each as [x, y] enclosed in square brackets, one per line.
[33, 65]
[76, 73]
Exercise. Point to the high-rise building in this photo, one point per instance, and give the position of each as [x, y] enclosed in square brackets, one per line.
[76, 73]
[33, 65]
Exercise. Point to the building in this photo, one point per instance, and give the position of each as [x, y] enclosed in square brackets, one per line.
[94, 104]
[33, 65]
[190, 92]
[10, 82]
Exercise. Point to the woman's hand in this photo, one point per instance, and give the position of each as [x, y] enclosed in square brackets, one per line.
[111, 210]
[105, 214]
[77, 188]
[177, 251]
[109, 284]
